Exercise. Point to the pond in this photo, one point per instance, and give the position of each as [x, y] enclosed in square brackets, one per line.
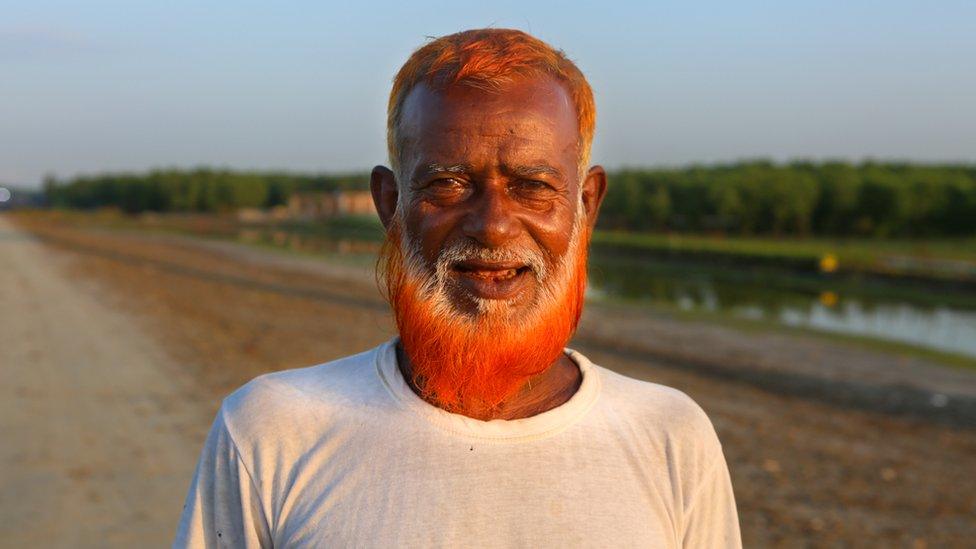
[920, 316]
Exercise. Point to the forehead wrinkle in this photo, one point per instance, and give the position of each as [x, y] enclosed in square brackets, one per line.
[520, 146]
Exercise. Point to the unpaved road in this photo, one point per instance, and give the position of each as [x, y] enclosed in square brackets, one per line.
[98, 432]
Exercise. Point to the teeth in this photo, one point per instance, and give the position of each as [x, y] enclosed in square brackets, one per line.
[493, 275]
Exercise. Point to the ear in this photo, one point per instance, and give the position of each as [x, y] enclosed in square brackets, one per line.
[594, 189]
[383, 187]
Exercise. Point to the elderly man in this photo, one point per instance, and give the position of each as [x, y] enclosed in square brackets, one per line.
[476, 426]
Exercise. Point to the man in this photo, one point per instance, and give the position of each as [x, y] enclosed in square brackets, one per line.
[475, 427]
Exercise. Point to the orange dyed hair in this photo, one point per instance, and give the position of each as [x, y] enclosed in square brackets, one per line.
[488, 59]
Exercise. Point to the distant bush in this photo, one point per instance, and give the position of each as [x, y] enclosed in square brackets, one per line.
[745, 198]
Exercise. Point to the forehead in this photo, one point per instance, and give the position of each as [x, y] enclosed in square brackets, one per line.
[531, 119]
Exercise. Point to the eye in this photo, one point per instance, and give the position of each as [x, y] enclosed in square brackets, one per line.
[446, 187]
[533, 188]
[532, 184]
[445, 183]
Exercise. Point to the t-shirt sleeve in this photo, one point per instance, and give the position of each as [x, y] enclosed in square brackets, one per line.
[711, 519]
[223, 507]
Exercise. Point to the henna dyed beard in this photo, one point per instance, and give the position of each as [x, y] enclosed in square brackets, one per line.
[477, 358]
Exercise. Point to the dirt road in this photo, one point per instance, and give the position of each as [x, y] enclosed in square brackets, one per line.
[99, 432]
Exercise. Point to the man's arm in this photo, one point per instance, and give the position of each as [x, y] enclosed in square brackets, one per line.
[223, 507]
[711, 519]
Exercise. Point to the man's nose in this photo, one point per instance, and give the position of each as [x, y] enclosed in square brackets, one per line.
[491, 221]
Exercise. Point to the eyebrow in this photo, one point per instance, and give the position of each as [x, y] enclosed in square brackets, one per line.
[518, 171]
[434, 167]
[534, 170]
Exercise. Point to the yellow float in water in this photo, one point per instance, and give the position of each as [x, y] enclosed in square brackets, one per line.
[828, 263]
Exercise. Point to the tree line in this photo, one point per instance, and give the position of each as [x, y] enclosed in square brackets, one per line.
[197, 190]
[745, 198]
[799, 198]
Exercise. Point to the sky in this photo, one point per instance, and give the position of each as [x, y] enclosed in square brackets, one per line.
[97, 86]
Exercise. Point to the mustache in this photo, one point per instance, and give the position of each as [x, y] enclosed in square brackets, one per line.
[466, 250]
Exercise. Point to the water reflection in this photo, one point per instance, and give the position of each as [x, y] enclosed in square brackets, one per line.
[807, 300]
[940, 328]
[311, 243]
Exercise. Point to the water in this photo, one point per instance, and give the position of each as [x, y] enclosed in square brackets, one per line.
[920, 316]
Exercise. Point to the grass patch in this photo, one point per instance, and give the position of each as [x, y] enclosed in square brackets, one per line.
[942, 258]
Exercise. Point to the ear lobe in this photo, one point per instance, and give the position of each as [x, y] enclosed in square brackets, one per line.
[383, 187]
[594, 189]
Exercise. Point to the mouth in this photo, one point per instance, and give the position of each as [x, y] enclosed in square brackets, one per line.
[492, 280]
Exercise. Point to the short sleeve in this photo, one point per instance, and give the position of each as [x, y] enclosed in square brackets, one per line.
[711, 519]
[223, 507]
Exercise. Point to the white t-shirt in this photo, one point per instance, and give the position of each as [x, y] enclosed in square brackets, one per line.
[345, 454]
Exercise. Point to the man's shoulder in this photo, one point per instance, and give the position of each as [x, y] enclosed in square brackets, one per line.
[658, 410]
[285, 399]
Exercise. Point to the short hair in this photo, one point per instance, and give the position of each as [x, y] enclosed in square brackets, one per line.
[489, 59]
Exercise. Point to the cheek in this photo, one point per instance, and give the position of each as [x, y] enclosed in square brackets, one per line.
[553, 234]
[430, 228]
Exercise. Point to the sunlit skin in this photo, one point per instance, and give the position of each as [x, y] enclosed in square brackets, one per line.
[499, 169]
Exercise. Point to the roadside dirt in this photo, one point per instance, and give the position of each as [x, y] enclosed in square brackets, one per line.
[809, 470]
[99, 432]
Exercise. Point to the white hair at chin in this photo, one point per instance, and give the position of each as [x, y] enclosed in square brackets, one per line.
[435, 280]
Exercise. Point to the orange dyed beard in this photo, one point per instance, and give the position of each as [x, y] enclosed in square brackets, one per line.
[478, 360]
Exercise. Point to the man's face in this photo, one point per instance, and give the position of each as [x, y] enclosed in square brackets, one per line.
[488, 222]
[494, 173]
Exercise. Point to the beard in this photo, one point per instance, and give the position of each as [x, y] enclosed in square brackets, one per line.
[468, 352]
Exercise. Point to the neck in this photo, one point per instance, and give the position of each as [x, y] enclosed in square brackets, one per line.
[540, 393]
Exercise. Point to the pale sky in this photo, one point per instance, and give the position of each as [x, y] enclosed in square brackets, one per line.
[105, 86]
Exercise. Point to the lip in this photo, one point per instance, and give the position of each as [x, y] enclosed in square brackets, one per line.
[492, 280]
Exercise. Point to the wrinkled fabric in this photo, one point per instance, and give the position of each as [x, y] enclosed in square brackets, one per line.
[344, 454]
